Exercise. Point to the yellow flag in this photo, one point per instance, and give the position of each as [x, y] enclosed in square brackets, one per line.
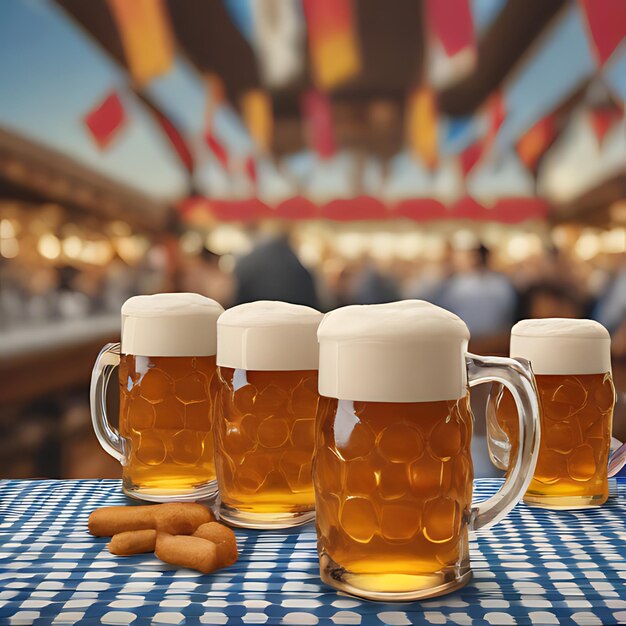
[333, 41]
[421, 125]
[256, 108]
[146, 36]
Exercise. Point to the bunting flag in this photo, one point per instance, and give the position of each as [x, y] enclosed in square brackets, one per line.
[215, 99]
[318, 123]
[534, 143]
[106, 120]
[332, 41]
[421, 125]
[256, 108]
[603, 118]
[146, 37]
[496, 113]
[279, 41]
[606, 26]
[452, 46]
[470, 156]
[171, 132]
[452, 23]
[251, 170]
[217, 149]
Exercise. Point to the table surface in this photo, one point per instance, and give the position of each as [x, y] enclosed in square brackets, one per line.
[535, 567]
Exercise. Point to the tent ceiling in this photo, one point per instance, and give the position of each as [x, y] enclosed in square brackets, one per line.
[392, 59]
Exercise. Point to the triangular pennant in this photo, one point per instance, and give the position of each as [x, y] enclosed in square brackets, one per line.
[106, 120]
[606, 25]
[216, 147]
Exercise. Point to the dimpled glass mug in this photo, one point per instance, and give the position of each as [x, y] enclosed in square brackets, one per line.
[267, 357]
[168, 383]
[571, 360]
[393, 471]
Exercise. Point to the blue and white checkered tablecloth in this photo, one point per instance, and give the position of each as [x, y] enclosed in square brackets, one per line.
[535, 567]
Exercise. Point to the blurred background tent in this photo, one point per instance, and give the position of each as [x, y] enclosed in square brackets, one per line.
[471, 152]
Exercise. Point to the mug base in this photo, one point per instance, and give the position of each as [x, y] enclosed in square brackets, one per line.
[565, 502]
[399, 587]
[207, 491]
[264, 521]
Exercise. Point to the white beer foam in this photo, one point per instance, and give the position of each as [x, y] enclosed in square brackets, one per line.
[268, 336]
[562, 346]
[410, 351]
[170, 324]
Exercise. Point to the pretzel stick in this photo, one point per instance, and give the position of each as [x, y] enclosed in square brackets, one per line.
[190, 552]
[133, 542]
[224, 538]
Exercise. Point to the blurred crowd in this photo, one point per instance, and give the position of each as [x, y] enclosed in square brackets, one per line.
[472, 281]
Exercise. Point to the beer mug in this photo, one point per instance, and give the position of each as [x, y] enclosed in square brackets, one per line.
[267, 357]
[571, 360]
[167, 379]
[393, 471]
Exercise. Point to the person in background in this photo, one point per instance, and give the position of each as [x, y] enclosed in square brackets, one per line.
[204, 274]
[485, 300]
[372, 285]
[272, 271]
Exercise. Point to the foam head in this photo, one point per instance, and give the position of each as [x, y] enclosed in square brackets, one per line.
[562, 346]
[170, 324]
[410, 351]
[268, 336]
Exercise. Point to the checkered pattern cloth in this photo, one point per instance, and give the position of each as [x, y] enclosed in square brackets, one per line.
[535, 567]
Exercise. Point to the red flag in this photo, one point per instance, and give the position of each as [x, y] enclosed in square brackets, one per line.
[606, 24]
[602, 120]
[451, 22]
[534, 143]
[470, 156]
[331, 29]
[250, 166]
[318, 121]
[497, 112]
[217, 149]
[177, 141]
[106, 120]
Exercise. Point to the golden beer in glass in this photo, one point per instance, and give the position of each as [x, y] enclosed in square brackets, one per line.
[265, 423]
[393, 468]
[571, 360]
[168, 387]
[166, 407]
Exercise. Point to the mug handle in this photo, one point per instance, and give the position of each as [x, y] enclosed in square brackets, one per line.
[517, 376]
[109, 437]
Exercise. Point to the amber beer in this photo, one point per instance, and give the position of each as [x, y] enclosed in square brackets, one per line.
[393, 469]
[168, 386]
[166, 407]
[394, 482]
[264, 432]
[571, 359]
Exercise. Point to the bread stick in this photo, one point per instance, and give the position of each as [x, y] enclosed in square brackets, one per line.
[181, 518]
[185, 551]
[224, 538]
[176, 518]
[133, 542]
[111, 520]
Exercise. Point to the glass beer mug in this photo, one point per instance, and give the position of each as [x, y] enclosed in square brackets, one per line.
[571, 360]
[267, 358]
[167, 381]
[393, 470]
